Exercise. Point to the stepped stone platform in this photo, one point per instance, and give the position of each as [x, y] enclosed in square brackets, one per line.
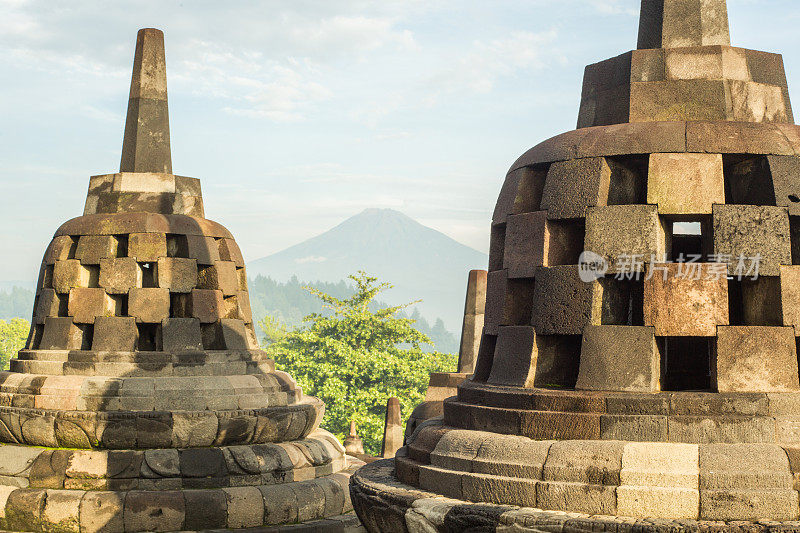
[141, 401]
[651, 385]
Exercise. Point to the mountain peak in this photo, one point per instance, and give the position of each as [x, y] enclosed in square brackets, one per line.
[419, 261]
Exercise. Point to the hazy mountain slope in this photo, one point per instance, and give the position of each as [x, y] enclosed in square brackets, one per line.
[420, 262]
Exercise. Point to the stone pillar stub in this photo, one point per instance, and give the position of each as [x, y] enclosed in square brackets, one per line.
[146, 146]
[472, 325]
[681, 23]
[393, 429]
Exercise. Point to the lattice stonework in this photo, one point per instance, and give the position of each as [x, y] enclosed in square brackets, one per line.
[142, 401]
[661, 395]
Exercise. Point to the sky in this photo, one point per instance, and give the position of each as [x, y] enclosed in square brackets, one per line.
[298, 114]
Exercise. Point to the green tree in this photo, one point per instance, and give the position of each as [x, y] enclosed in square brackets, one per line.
[13, 335]
[354, 359]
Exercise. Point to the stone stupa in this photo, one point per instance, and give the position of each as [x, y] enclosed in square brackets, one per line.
[141, 401]
[658, 389]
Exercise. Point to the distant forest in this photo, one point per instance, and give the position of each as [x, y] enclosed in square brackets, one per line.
[287, 302]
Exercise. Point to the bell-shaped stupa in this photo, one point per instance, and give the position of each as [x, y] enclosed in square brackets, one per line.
[141, 401]
[638, 365]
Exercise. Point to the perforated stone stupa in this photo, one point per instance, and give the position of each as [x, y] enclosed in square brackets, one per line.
[663, 393]
[141, 401]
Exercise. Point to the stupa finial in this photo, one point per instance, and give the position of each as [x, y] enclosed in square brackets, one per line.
[146, 147]
[681, 23]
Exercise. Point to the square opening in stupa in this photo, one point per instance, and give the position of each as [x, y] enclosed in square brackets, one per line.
[637, 368]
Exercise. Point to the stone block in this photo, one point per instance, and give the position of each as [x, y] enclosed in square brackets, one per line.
[685, 184]
[92, 248]
[118, 275]
[23, 509]
[666, 465]
[115, 333]
[619, 358]
[178, 274]
[678, 305]
[511, 456]
[207, 305]
[59, 510]
[101, 511]
[509, 490]
[181, 334]
[70, 274]
[593, 462]
[525, 244]
[47, 304]
[442, 481]
[204, 249]
[208, 509]
[574, 185]
[521, 193]
[147, 247]
[61, 334]
[161, 510]
[148, 305]
[243, 303]
[61, 248]
[508, 302]
[562, 302]
[635, 428]
[497, 241]
[234, 335]
[620, 233]
[758, 301]
[471, 329]
[790, 296]
[658, 502]
[783, 171]
[754, 479]
[514, 362]
[756, 359]
[221, 275]
[229, 251]
[749, 231]
[86, 304]
[576, 497]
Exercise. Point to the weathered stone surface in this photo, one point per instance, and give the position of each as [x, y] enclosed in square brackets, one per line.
[514, 362]
[508, 302]
[118, 275]
[622, 234]
[61, 334]
[70, 274]
[749, 231]
[92, 248]
[683, 23]
[207, 305]
[790, 296]
[685, 184]
[181, 334]
[562, 302]
[574, 185]
[177, 274]
[115, 334]
[623, 358]
[147, 247]
[756, 359]
[85, 304]
[676, 304]
[149, 305]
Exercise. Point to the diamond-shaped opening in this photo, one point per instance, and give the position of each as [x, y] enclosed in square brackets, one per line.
[565, 241]
[119, 303]
[519, 301]
[94, 275]
[687, 363]
[557, 361]
[73, 247]
[497, 245]
[622, 302]
[241, 274]
[688, 239]
[628, 183]
[754, 302]
[47, 277]
[63, 304]
[177, 245]
[35, 337]
[529, 191]
[212, 336]
[748, 180]
[483, 364]
[149, 337]
[148, 278]
[179, 305]
[87, 334]
[122, 245]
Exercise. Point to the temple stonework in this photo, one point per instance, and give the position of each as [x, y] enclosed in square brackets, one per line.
[661, 392]
[141, 401]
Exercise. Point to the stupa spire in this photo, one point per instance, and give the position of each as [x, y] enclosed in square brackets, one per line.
[146, 147]
[682, 23]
